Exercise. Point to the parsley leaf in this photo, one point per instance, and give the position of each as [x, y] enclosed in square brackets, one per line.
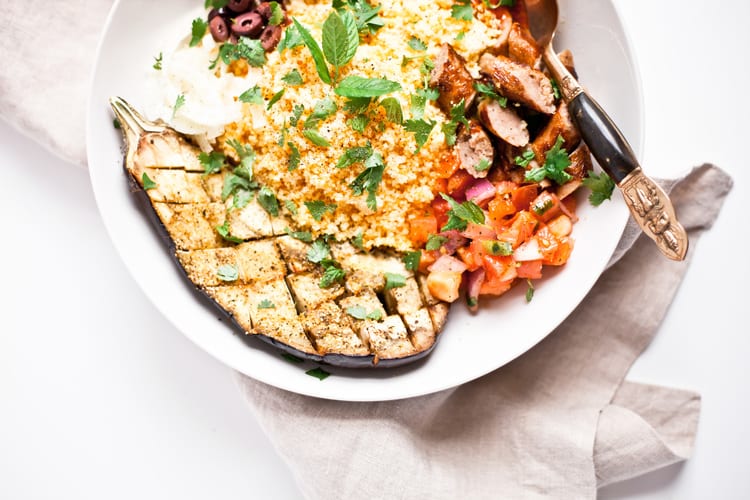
[293, 78]
[315, 51]
[358, 86]
[556, 162]
[462, 10]
[228, 272]
[411, 260]
[268, 201]
[421, 129]
[198, 31]
[393, 112]
[332, 273]
[318, 209]
[318, 251]
[211, 162]
[393, 280]
[417, 44]
[147, 182]
[601, 187]
[461, 214]
[252, 96]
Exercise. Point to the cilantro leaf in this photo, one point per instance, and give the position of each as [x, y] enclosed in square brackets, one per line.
[305, 236]
[483, 165]
[525, 158]
[178, 103]
[291, 358]
[289, 204]
[252, 96]
[357, 312]
[457, 117]
[293, 78]
[370, 179]
[461, 214]
[268, 201]
[291, 40]
[318, 373]
[318, 251]
[277, 14]
[315, 137]
[421, 129]
[495, 247]
[462, 10]
[359, 241]
[332, 273]
[417, 44]
[354, 155]
[556, 162]
[294, 157]
[529, 291]
[228, 273]
[358, 86]
[223, 231]
[266, 304]
[323, 109]
[157, 62]
[601, 187]
[198, 30]
[211, 162]
[318, 208]
[297, 111]
[489, 91]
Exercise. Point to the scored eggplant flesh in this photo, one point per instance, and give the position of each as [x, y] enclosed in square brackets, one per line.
[276, 295]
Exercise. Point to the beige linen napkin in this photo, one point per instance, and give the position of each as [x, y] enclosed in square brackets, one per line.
[556, 423]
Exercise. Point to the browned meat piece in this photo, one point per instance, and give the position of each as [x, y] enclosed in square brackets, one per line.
[503, 122]
[580, 163]
[519, 83]
[452, 79]
[505, 19]
[522, 47]
[474, 145]
[559, 125]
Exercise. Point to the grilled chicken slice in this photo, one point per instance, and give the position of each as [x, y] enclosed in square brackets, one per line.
[262, 280]
[452, 79]
[475, 149]
[503, 122]
[519, 82]
[522, 47]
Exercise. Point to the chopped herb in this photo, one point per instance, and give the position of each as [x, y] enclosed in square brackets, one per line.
[483, 165]
[365, 15]
[376, 315]
[275, 98]
[370, 179]
[223, 231]
[358, 86]
[216, 4]
[393, 112]
[419, 100]
[332, 273]
[457, 117]
[178, 103]
[460, 36]
[461, 214]
[246, 48]
[319, 208]
[292, 39]
[289, 204]
[494, 247]
[411, 260]
[266, 304]
[323, 109]
[357, 105]
[268, 201]
[358, 123]
[318, 251]
[242, 198]
[147, 182]
[277, 14]
[556, 162]
[294, 157]
[462, 10]
[499, 3]
[198, 31]
[357, 312]
[529, 291]
[293, 78]
[292, 358]
[235, 181]
[489, 91]
[315, 51]
[228, 272]
[157, 62]
[297, 111]
[315, 137]
[427, 66]
[282, 135]
[393, 280]
[318, 373]
[434, 242]
[555, 88]
[358, 241]
[252, 96]
[212, 162]
[340, 38]
[354, 155]
[525, 158]
[421, 129]
[417, 44]
[116, 124]
[601, 187]
[305, 236]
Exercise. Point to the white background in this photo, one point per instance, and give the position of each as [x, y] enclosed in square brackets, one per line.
[101, 398]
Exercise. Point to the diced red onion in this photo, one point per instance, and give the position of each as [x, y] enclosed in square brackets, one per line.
[446, 263]
[481, 191]
[528, 251]
[453, 242]
[473, 285]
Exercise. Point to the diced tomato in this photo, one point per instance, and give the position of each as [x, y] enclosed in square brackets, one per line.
[531, 269]
[495, 287]
[501, 207]
[444, 285]
[545, 206]
[458, 182]
[524, 195]
[521, 228]
[478, 232]
[441, 185]
[556, 251]
[427, 258]
[440, 209]
[467, 257]
[499, 268]
[420, 229]
[448, 165]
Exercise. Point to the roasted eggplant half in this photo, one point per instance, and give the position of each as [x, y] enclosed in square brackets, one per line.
[262, 279]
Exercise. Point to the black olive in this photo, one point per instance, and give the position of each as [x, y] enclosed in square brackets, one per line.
[270, 37]
[239, 6]
[248, 24]
[219, 28]
[264, 9]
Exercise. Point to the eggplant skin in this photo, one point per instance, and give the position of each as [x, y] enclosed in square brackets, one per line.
[305, 321]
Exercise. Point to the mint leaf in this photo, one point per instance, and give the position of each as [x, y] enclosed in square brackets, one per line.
[317, 54]
[340, 38]
[275, 98]
[358, 123]
[315, 137]
[357, 312]
[358, 86]
[293, 78]
[393, 112]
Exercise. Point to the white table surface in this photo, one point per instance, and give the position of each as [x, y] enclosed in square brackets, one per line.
[101, 398]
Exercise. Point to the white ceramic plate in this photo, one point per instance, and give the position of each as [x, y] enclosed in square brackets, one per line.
[471, 345]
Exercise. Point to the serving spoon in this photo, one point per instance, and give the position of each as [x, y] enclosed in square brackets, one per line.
[649, 205]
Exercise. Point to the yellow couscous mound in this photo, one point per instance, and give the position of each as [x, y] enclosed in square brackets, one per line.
[409, 177]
